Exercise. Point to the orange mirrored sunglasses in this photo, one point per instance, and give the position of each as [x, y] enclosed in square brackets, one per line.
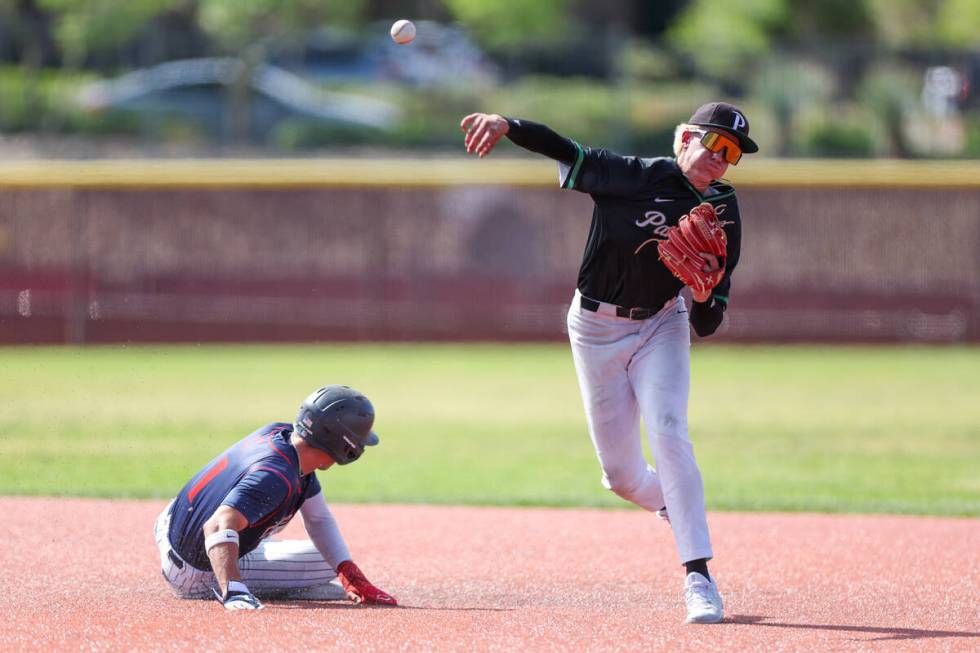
[716, 142]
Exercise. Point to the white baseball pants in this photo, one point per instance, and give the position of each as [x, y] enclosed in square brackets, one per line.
[632, 369]
[276, 568]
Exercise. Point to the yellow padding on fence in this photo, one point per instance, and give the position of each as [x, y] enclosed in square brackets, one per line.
[412, 172]
[276, 173]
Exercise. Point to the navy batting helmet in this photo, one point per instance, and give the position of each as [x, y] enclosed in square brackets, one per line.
[337, 419]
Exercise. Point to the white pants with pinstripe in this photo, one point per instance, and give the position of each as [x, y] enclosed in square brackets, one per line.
[275, 568]
[632, 369]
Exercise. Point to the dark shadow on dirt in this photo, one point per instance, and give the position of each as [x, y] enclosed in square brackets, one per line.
[346, 605]
[886, 633]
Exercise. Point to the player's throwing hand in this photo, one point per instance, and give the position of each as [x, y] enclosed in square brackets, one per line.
[483, 131]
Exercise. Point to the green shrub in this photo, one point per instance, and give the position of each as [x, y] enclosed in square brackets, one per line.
[891, 92]
[836, 139]
[971, 148]
[299, 134]
[44, 101]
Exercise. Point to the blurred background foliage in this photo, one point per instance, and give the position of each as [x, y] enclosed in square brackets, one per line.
[824, 78]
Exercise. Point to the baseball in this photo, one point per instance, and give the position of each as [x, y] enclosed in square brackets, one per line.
[403, 32]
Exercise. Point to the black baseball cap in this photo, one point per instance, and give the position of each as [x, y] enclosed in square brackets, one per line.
[724, 116]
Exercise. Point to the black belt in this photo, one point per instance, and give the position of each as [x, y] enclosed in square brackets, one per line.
[634, 313]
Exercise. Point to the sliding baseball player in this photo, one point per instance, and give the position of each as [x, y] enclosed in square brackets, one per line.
[215, 537]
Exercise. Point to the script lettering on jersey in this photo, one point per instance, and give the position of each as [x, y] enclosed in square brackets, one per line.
[656, 219]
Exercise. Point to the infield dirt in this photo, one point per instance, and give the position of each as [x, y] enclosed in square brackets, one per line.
[84, 574]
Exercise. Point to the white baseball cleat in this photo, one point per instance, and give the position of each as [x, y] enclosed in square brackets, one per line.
[242, 602]
[704, 604]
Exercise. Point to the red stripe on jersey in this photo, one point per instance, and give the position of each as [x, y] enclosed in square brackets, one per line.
[284, 456]
[207, 478]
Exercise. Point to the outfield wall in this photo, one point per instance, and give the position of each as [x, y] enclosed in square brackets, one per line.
[138, 251]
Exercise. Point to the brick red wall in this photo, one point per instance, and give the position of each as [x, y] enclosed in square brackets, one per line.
[467, 263]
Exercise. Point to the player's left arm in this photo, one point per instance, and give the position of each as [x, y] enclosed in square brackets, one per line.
[707, 313]
[323, 530]
[325, 534]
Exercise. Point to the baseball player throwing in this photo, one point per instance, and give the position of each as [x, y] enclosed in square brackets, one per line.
[214, 538]
[658, 224]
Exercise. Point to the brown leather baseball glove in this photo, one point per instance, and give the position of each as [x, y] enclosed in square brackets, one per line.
[683, 251]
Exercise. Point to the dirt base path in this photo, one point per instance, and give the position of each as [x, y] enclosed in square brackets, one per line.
[80, 574]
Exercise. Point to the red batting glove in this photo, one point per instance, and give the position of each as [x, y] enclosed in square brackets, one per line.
[359, 589]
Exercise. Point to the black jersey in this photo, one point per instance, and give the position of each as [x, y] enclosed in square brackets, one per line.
[636, 201]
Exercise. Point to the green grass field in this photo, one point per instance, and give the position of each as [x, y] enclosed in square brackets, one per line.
[812, 428]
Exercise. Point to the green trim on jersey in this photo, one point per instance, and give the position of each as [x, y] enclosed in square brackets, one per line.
[708, 198]
[723, 195]
[570, 183]
[722, 298]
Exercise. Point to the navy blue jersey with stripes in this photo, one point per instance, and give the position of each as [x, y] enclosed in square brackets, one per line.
[259, 476]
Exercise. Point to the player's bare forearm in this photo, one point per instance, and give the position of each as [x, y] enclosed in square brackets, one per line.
[224, 556]
[224, 563]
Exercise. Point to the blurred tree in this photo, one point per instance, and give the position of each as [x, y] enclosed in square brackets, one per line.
[903, 23]
[414, 9]
[247, 28]
[836, 137]
[171, 35]
[25, 34]
[651, 19]
[832, 21]
[241, 25]
[958, 23]
[917, 23]
[787, 84]
[721, 41]
[506, 24]
[88, 26]
[891, 93]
